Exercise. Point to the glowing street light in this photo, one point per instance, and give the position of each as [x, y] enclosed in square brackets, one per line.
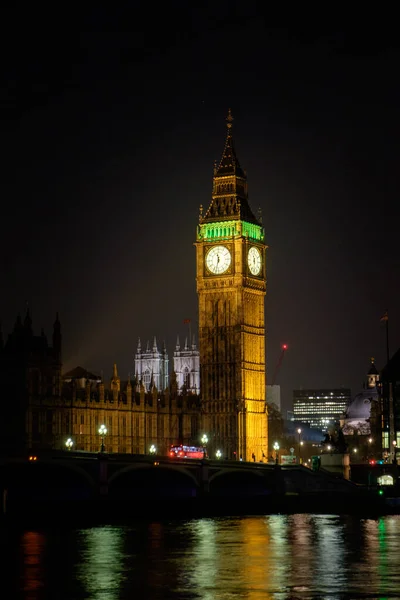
[276, 448]
[69, 443]
[103, 433]
[299, 432]
[204, 441]
[218, 454]
[153, 449]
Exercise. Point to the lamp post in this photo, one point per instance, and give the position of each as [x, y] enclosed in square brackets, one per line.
[152, 449]
[103, 433]
[370, 440]
[276, 448]
[299, 432]
[69, 443]
[218, 454]
[204, 441]
[394, 451]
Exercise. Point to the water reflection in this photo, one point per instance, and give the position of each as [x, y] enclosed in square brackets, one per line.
[32, 548]
[256, 558]
[101, 572]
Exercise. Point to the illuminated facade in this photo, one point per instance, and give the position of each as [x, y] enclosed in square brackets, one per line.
[231, 286]
[151, 366]
[187, 366]
[41, 408]
[320, 408]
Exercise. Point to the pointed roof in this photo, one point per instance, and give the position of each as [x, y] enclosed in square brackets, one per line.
[80, 373]
[28, 320]
[373, 370]
[230, 198]
[229, 163]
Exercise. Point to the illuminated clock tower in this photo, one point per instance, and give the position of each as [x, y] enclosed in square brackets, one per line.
[231, 287]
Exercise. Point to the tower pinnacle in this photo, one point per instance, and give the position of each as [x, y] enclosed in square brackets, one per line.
[229, 120]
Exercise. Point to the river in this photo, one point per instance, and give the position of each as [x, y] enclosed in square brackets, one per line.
[253, 558]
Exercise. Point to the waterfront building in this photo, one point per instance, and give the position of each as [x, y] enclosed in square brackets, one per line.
[320, 407]
[43, 408]
[356, 419]
[218, 389]
[387, 421]
[30, 368]
[231, 287]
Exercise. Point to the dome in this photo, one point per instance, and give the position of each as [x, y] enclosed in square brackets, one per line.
[360, 407]
[359, 411]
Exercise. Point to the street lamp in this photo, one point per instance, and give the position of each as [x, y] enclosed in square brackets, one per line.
[276, 448]
[394, 450]
[204, 441]
[69, 443]
[152, 449]
[299, 432]
[218, 454]
[103, 433]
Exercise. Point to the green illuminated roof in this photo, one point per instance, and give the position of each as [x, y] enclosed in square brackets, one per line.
[220, 230]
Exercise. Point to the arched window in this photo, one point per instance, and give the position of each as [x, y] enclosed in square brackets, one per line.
[186, 377]
[147, 379]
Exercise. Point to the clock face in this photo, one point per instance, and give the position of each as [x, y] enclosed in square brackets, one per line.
[254, 260]
[218, 259]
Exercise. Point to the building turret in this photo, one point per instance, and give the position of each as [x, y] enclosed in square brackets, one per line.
[28, 324]
[373, 375]
[18, 324]
[115, 381]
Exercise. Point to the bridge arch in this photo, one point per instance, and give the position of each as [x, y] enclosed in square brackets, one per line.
[153, 481]
[42, 485]
[239, 482]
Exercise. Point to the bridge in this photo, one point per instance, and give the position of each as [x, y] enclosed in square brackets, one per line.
[116, 484]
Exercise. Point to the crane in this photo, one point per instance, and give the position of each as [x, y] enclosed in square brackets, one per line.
[279, 363]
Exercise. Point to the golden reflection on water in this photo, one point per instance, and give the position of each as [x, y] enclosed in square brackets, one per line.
[275, 557]
[32, 546]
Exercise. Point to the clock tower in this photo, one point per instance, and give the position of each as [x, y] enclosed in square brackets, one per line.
[231, 287]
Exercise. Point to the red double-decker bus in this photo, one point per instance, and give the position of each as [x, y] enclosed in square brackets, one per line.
[186, 451]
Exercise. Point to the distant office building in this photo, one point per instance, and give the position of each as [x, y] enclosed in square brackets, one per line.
[274, 395]
[320, 408]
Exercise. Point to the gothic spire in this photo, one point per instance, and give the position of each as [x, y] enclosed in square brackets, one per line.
[229, 163]
[229, 196]
[28, 321]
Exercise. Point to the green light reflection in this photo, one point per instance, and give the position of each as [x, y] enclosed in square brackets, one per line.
[101, 569]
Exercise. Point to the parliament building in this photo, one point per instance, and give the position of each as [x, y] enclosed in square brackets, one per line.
[217, 388]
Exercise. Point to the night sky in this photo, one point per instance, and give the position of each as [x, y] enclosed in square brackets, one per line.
[112, 120]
